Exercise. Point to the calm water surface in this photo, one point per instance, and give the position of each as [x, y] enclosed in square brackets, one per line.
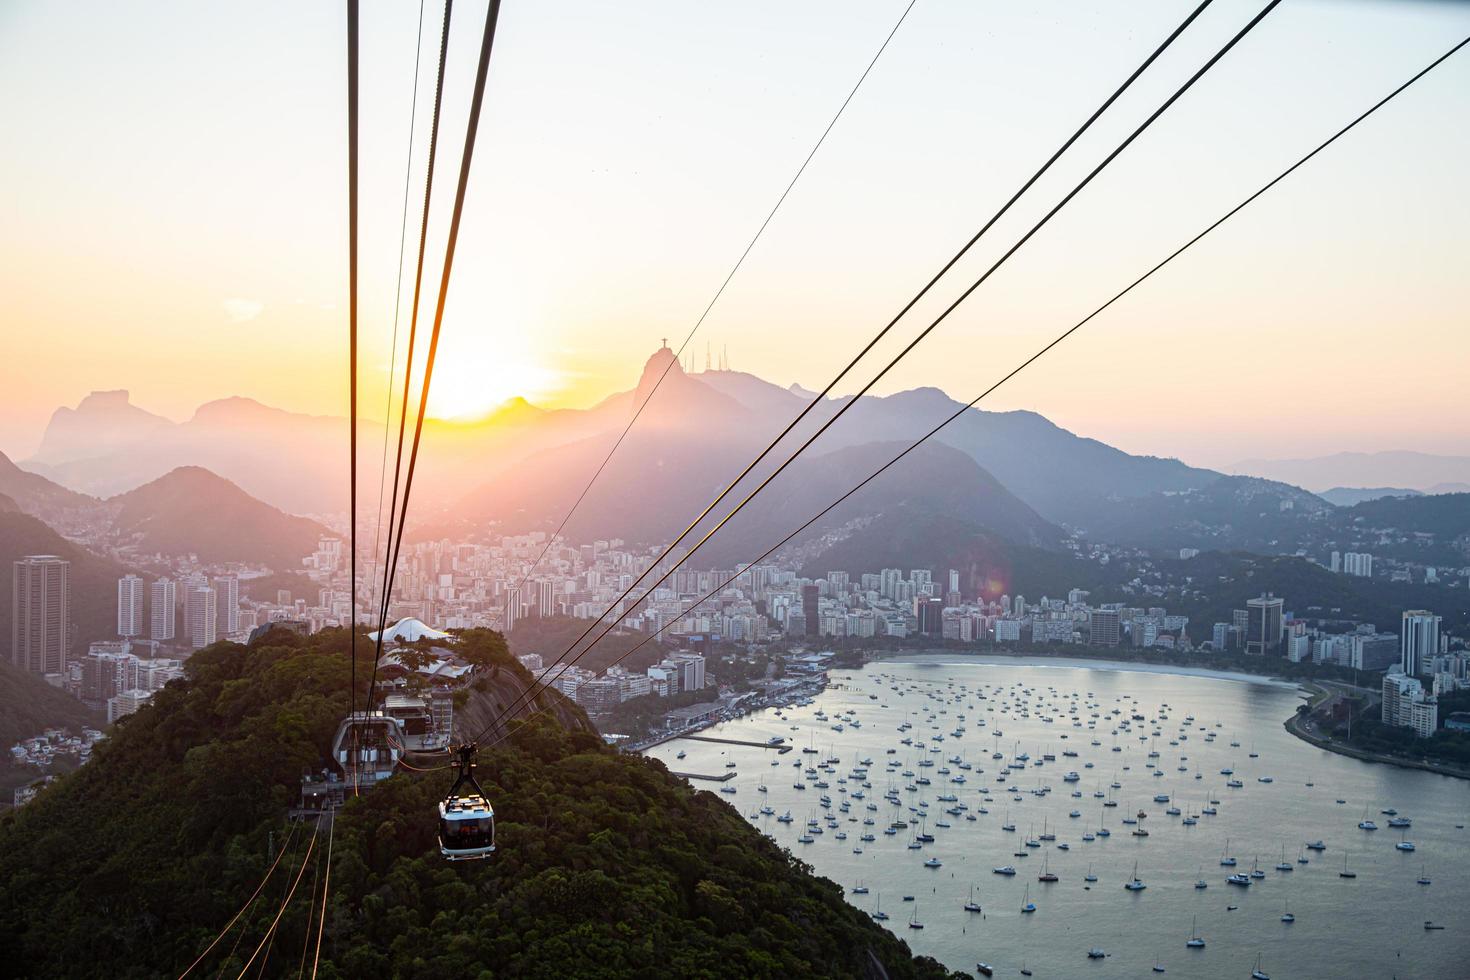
[1368, 926]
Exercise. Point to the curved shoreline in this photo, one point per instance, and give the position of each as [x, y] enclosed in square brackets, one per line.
[998, 659]
[1293, 725]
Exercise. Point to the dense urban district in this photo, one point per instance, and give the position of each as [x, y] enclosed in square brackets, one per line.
[711, 643]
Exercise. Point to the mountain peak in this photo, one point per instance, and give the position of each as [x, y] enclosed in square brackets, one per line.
[103, 400]
[662, 365]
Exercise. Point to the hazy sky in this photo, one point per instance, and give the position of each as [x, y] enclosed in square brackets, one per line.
[174, 207]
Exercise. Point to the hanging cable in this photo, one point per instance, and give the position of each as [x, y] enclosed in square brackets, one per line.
[326, 890]
[716, 298]
[310, 914]
[487, 43]
[848, 404]
[413, 110]
[882, 333]
[285, 902]
[390, 572]
[1042, 352]
[352, 339]
[248, 902]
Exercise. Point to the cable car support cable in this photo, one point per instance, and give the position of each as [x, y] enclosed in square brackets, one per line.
[1044, 350]
[847, 405]
[397, 308]
[716, 298]
[390, 572]
[248, 902]
[486, 45]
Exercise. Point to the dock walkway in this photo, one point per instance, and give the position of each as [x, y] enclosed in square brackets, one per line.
[781, 747]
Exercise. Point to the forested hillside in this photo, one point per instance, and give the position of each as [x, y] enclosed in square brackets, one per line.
[607, 866]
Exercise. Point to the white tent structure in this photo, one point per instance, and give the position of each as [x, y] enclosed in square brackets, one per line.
[410, 631]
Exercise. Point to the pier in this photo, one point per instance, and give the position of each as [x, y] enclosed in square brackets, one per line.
[781, 747]
[723, 777]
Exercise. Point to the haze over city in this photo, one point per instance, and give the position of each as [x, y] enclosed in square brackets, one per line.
[611, 201]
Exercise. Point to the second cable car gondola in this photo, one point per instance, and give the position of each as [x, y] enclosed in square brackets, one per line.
[466, 818]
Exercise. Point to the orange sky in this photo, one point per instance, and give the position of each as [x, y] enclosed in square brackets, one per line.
[175, 213]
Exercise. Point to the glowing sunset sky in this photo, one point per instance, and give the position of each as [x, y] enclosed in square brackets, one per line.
[175, 208]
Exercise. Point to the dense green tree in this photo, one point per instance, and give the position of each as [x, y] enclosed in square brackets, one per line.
[607, 866]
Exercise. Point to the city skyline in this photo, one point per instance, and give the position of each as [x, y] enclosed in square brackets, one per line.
[1313, 278]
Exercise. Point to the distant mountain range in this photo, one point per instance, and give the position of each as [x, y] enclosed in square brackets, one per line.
[192, 511]
[1349, 496]
[1425, 472]
[188, 510]
[1013, 477]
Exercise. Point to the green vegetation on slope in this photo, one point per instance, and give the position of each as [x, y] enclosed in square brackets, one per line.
[608, 866]
[28, 705]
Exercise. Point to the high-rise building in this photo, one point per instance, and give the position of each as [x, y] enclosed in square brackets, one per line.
[1358, 563]
[163, 600]
[890, 577]
[1406, 705]
[690, 667]
[130, 597]
[810, 609]
[40, 613]
[201, 616]
[954, 580]
[1265, 625]
[546, 598]
[1107, 628]
[929, 611]
[512, 609]
[227, 604]
[1418, 641]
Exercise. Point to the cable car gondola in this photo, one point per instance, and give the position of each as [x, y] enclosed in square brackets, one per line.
[466, 818]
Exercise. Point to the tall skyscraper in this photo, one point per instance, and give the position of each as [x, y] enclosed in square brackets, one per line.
[201, 616]
[163, 598]
[810, 610]
[1265, 625]
[512, 609]
[1107, 628]
[954, 580]
[130, 596]
[1418, 641]
[40, 613]
[929, 611]
[227, 603]
[546, 598]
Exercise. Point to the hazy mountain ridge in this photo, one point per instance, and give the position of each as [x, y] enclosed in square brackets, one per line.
[524, 471]
[193, 511]
[1427, 472]
[1350, 496]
